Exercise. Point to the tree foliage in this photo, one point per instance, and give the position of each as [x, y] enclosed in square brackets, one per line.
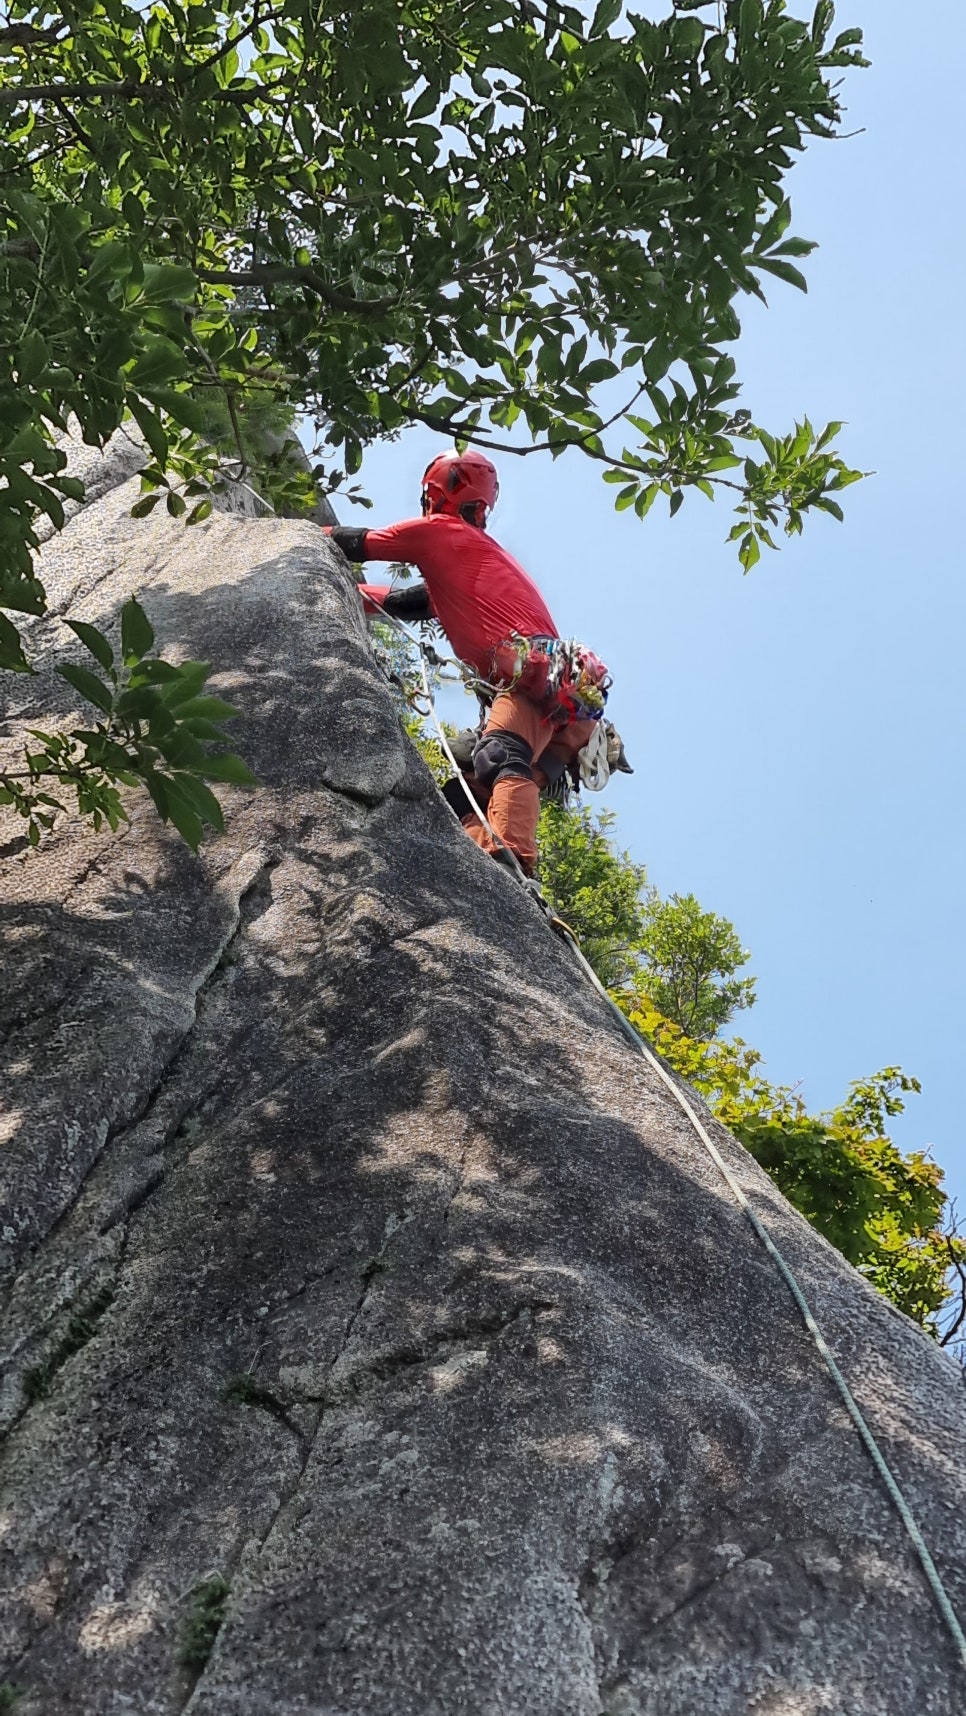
[669, 953]
[690, 958]
[157, 727]
[597, 890]
[399, 211]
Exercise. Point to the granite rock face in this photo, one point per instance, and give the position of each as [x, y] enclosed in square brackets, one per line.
[378, 1338]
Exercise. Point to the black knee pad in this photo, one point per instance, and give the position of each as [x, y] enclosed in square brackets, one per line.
[499, 755]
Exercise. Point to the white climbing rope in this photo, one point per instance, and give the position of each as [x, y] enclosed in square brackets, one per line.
[872, 1448]
[788, 1276]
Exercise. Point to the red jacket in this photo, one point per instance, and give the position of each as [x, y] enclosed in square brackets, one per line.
[477, 591]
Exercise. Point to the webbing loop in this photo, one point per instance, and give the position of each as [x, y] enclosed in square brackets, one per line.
[933, 1577]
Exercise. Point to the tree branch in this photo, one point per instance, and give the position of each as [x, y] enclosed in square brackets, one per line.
[75, 126]
[291, 274]
[483, 438]
[256, 23]
[11, 95]
[950, 1334]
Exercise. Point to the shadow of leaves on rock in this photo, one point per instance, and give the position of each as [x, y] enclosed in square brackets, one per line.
[373, 1146]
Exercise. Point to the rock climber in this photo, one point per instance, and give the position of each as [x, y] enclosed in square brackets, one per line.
[550, 693]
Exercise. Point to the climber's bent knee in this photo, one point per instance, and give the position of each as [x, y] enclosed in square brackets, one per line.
[456, 791]
[501, 755]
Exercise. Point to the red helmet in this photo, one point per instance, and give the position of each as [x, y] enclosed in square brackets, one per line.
[462, 484]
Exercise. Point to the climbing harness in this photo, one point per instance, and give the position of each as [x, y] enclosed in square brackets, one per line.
[561, 675]
[785, 1270]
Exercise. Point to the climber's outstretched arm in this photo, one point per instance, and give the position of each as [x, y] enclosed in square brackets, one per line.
[399, 542]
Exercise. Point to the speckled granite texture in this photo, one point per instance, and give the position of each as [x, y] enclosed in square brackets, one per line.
[351, 1255]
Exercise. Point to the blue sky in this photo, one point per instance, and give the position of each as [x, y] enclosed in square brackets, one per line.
[798, 733]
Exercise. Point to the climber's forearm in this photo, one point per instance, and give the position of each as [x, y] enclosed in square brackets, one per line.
[352, 542]
[411, 603]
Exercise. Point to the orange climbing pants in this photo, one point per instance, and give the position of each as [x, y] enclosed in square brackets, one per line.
[514, 803]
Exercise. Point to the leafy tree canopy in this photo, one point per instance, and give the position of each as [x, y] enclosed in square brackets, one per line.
[393, 211]
[669, 953]
[690, 959]
[597, 890]
[883, 1208]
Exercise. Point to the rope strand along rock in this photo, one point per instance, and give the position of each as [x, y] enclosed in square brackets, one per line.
[638, 1043]
[326, 1109]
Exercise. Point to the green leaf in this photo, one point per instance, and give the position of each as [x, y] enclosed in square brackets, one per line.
[822, 20]
[192, 675]
[212, 708]
[201, 799]
[199, 728]
[32, 356]
[601, 369]
[159, 360]
[828, 434]
[182, 813]
[228, 768]
[183, 407]
[179, 747]
[150, 427]
[750, 14]
[848, 39]
[784, 271]
[139, 702]
[607, 13]
[425, 104]
[154, 672]
[688, 36]
[87, 683]
[11, 649]
[844, 478]
[626, 498]
[795, 247]
[164, 282]
[137, 633]
[158, 788]
[749, 553]
[776, 225]
[111, 261]
[146, 505]
[95, 641]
